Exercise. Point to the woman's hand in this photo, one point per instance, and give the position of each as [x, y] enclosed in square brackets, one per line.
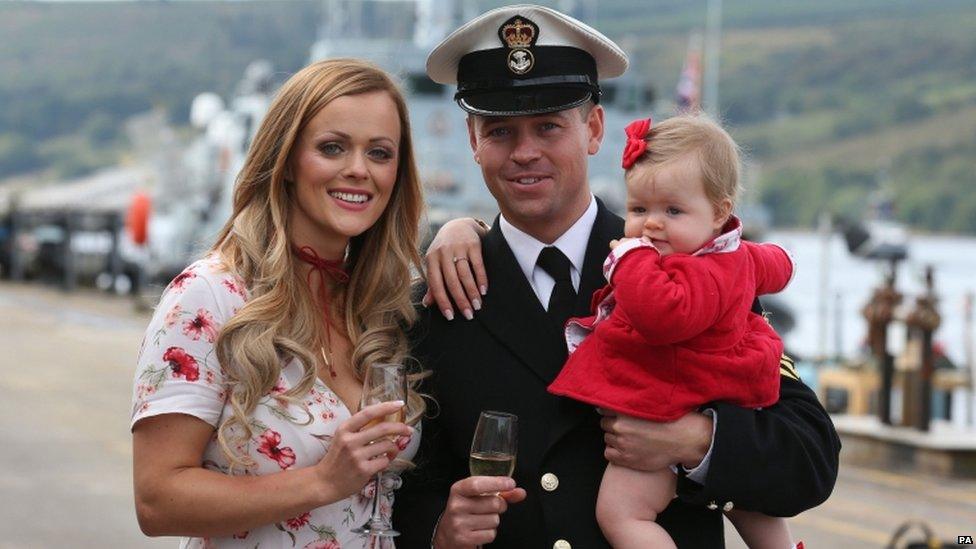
[454, 266]
[360, 450]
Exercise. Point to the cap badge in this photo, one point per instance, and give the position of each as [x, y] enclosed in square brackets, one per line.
[519, 34]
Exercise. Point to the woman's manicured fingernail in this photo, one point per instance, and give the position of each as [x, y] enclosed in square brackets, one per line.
[448, 314]
[476, 303]
[484, 290]
[468, 314]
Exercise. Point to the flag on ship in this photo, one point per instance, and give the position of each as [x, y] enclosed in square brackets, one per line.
[688, 91]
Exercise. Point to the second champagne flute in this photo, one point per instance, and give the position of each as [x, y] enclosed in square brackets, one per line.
[382, 383]
[494, 445]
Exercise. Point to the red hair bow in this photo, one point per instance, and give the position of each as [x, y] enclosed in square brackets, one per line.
[636, 141]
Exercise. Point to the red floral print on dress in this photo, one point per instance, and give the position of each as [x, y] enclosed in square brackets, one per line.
[182, 364]
[234, 286]
[402, 442]
[367, 492]
[279, 387]
[173, 316]
[179, 283]
[297, 522]
[323, 544]
[278, 393]
[201, 324]
[269, 447]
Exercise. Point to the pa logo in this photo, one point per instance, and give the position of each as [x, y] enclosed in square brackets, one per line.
[964, 540]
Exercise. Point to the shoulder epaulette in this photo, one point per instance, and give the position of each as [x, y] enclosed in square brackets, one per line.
[788, 368]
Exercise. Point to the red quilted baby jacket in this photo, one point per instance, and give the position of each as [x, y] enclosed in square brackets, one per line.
[670, 334]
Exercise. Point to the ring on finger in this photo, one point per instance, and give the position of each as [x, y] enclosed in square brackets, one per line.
[456, 259]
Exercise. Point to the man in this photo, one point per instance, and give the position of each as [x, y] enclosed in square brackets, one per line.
[528, 77]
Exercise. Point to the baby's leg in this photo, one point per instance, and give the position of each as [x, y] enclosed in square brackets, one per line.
[628, 504]
[761, 531]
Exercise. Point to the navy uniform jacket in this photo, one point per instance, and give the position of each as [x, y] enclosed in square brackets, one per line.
[781, 460]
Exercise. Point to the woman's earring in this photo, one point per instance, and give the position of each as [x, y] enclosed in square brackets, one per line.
[477, 159]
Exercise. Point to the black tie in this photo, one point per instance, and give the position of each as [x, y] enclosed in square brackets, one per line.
[552, 261]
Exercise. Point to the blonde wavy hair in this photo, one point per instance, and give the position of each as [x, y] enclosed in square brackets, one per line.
[281, 320]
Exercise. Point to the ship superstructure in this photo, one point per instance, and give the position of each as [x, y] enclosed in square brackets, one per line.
[194, 198]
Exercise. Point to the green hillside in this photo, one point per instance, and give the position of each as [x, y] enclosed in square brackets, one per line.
[830, 98]
[72, 72]
[834, 98]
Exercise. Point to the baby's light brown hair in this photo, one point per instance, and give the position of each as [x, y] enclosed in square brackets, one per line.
[712, 147]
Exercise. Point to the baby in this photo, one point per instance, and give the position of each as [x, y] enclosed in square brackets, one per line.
[673, 330]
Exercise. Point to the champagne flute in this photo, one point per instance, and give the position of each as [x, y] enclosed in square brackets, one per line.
[382, 383]
[494, 445]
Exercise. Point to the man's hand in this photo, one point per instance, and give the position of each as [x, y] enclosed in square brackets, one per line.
[454, 265]
[474, 510]
[649, 446]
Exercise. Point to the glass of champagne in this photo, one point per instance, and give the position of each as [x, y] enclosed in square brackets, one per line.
[382, 383]
[494, 445]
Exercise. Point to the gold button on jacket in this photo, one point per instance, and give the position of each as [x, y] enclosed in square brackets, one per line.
[549, 482]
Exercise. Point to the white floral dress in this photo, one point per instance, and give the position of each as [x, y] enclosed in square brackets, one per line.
[178, 373]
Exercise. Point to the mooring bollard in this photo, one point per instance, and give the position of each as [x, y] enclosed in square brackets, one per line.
[879, 312]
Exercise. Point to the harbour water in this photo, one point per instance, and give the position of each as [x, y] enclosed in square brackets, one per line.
[829, 323]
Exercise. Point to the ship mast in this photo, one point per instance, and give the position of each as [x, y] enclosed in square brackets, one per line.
[713, 46]
[435, 20]
[967, 338]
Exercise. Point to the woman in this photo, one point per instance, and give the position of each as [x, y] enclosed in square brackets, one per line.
[242, 424]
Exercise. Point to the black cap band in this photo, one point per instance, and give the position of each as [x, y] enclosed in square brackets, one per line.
[561, 77]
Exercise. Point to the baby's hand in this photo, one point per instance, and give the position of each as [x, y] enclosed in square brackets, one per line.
[618, 241]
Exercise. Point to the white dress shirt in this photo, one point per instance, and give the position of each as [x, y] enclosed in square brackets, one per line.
[571, 243]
